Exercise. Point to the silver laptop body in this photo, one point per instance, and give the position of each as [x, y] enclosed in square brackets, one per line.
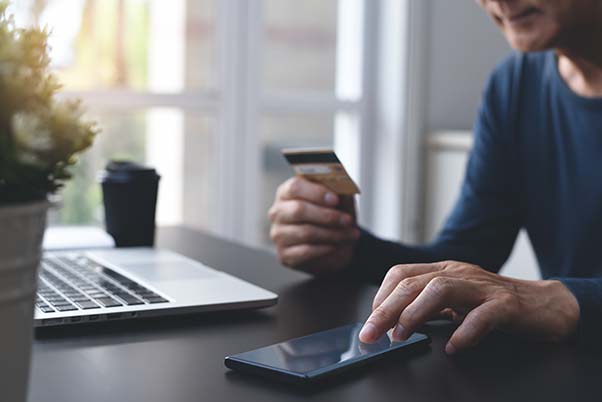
[95, 285]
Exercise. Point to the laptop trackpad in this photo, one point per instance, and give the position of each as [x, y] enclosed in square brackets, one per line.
[168, 270]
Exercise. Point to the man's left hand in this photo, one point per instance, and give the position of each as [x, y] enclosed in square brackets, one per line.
[482, 301]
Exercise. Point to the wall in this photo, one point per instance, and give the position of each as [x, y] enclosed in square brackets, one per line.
[464, 46]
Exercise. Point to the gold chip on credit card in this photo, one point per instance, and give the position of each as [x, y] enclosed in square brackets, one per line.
[321, 165]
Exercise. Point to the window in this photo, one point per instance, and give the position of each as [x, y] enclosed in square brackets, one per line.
[297, 94]
[146, 70]
[208, 92]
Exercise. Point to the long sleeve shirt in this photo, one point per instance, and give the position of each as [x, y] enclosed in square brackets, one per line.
[536, 164]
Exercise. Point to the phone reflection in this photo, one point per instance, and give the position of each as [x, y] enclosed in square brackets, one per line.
[326, 349]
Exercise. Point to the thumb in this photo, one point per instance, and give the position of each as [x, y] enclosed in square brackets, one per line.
[478, 323]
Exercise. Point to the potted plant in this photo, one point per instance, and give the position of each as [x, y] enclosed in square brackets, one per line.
[40, 138]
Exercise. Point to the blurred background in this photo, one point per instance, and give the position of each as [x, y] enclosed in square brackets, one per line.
[209, 91]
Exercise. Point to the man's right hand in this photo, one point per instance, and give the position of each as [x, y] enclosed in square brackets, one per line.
[314, 230]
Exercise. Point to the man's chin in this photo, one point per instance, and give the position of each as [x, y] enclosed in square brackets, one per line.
[528, 42]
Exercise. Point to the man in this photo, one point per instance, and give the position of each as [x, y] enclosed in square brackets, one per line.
[536, 164]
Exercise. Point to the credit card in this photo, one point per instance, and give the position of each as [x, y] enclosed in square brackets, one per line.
[321, 165]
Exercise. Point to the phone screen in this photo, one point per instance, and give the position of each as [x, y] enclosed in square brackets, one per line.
[319, 353]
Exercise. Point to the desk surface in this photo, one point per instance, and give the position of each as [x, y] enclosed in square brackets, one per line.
[180, 359]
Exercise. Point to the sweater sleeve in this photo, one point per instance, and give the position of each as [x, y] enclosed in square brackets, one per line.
[374, 256]
[588, 292]
[485, 221]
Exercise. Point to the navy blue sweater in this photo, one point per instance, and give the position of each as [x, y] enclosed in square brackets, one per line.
[536, 164]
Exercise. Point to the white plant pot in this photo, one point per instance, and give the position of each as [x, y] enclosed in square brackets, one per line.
[21, 232]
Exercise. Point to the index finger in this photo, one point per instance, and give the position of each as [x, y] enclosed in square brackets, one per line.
[299, 188]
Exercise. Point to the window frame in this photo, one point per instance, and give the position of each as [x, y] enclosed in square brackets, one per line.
[383, 110]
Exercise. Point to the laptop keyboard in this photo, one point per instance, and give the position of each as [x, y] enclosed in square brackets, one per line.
[69, 283]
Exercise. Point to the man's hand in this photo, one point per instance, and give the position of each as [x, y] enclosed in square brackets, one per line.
[482, 301]
[314, 230]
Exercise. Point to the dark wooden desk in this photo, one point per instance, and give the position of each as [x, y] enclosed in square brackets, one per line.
[180, 359]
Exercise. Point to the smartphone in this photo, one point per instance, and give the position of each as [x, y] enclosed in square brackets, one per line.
[316, 356]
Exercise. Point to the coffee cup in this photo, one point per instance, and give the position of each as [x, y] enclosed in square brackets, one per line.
[130, 199]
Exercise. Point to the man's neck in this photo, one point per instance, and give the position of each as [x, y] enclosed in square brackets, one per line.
[583, 76]
[580, 58]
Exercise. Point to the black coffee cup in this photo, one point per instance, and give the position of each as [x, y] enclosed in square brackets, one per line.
[130, 199]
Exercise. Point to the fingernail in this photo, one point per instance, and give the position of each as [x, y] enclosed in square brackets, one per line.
[346, 220]
[368, 333]
[450, 349]
[397, 333]
[331, 198]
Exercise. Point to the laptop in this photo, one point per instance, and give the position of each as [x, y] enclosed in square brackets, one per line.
[86, 286]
